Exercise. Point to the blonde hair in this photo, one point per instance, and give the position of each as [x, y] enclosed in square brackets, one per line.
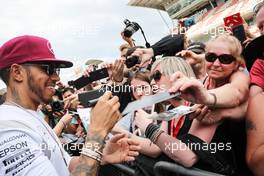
[171, 64]
[233, 43]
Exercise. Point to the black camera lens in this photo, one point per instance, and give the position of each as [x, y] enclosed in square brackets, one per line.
[57, 106]
[128, 32]
[132, 61]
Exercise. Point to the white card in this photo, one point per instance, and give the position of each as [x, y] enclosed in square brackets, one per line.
[85, 114]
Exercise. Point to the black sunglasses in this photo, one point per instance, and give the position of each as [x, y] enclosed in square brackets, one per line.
[47, 68]
[50, 69]
[156, 75]
[223, 58]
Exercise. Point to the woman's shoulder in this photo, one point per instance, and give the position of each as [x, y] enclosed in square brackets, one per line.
[240, 75]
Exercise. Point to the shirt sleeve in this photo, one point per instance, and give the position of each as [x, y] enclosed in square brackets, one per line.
[21, 154]
[257, 74]
[169, 45]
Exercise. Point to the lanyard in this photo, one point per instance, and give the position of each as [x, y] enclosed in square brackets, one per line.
[174, 129]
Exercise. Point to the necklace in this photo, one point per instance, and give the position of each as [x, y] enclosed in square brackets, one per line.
[43, 124]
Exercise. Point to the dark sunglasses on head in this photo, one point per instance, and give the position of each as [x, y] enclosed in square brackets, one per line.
[156, 75]
[223, 58]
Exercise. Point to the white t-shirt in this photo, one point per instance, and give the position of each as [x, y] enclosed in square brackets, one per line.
[28, 146]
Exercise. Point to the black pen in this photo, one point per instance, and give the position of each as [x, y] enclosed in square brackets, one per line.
[92, 103]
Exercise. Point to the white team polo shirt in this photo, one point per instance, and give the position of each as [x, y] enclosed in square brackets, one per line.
[28, 146]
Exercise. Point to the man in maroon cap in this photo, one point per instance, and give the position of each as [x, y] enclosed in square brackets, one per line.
[28, 146]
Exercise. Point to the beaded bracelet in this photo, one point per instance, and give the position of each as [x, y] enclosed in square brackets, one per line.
[91, 154]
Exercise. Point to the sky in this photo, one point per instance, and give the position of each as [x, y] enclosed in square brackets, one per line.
[80, 29]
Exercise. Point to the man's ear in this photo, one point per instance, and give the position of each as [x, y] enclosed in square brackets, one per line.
[17, 73]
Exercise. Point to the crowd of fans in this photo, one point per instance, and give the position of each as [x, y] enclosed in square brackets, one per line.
[223, 134]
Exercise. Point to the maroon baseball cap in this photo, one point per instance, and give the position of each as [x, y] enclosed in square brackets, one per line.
[29, 49]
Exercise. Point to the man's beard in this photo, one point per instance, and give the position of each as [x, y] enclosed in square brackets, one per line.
[32, 85]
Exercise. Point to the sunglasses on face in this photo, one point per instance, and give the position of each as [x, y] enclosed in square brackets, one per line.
[223, 58]
[48, 69]
[156, 75]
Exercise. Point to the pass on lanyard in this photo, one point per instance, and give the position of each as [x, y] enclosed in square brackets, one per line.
[175, 130]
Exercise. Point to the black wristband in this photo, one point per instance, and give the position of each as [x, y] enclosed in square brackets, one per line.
[150, 130]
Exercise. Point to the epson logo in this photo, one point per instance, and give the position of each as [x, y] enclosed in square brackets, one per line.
[13, 148]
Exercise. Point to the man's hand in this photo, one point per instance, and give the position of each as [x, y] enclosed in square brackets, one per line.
[105, 114]
[88, 70]
[145, 55]
[191, 89]
[141, 121]
[120, 149]
[71, 102]
[66, 119]
[118, 70]
[129, 40]
[58, 114]
[247, 41]
[205, 115]
[191, 57]
[249, 36]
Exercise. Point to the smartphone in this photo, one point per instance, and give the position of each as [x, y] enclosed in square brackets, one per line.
[90, 98]
[239, 33]
[94, 76]
[235, 22]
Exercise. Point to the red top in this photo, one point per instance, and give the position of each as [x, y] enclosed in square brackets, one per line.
[176, 126]
[257, 73]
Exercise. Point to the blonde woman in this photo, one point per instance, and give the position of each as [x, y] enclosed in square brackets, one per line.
[224, 91]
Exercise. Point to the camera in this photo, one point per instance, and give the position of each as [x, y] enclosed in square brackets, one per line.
[189, 22]
[131, 61]
[57, 106]
[131, 28]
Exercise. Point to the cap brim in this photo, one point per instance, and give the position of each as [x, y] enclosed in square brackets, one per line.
[253, 51]
[57, 62]
[93, 61]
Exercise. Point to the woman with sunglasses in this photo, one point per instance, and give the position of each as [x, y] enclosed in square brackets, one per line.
[168, 66]
[222, 96]
[225, 82]
[226, 85]
[140, 85]
[161, 71]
